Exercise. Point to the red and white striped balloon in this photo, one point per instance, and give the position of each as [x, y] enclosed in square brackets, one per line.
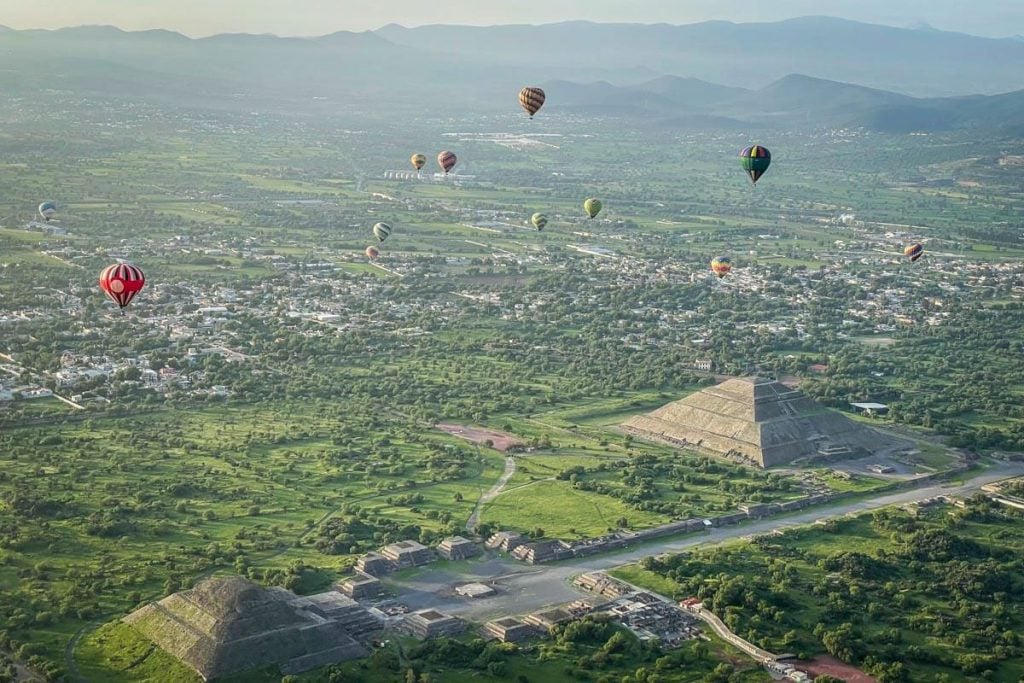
[121, 282]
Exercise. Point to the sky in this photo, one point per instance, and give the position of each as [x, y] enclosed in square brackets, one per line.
[996, 18]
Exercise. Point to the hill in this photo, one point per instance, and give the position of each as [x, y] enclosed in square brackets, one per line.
[931, 63]
[795, 101]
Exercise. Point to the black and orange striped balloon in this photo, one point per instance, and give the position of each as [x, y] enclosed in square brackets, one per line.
[121, 282]
[914, 252]
[531, 99]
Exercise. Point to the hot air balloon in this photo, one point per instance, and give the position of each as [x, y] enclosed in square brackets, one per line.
[914, 251]
[720, 266]
[48, 210]
[592, 206]
[372, 253]
[447, 160]
[539, 221]
[755, 161]
[381, 231]
[418, 161]
[531, 99]
[121, 282]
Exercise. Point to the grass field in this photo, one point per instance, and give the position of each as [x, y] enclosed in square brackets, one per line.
[561, 511]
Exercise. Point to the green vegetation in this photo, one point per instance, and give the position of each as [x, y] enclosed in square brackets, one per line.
[932, 596]
[590, 649]
[283, 436]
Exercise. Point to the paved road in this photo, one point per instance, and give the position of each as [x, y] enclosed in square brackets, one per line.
[523, 588]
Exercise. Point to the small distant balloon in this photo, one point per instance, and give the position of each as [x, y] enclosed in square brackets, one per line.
[720, 266]
[755, 160]
[48, 210]
[531, 99]
[447, 160]
[539, 221]
[914, 251]
[372, 253]
[418, 161]
[121, 282]
[592, 207]
[381, 231]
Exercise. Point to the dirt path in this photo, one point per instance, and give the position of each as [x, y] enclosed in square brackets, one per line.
[69, 652]
[510, 469]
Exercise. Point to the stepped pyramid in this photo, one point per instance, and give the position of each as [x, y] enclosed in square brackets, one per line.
[224, 626]
[761, 420]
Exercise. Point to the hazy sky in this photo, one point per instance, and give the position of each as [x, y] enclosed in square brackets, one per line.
[316, 17]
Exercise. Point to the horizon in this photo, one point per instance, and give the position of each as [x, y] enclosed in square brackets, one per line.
[375, 29]
[997, 19]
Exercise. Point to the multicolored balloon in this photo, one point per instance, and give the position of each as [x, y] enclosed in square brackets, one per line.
[720, 266]
[531, 99]
[592, 207]
[539, 221]
[48, 210]
[121, 282]
[372, 253]
[418, 161]
[447, 160]
[381, 231]
[914, 251]
[755, 161]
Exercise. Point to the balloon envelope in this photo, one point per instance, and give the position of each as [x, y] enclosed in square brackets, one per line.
[721, 265]
[592, 207]
[121, 282]
[447, 160]
[48, 210]
[372, 253]
[914, 252]
[755, 160]
[531, 99]
[539, 221]
[418, 161]
[381, 231]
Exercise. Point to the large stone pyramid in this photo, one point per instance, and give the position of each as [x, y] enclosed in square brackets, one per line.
[229, 625]
[761, 420]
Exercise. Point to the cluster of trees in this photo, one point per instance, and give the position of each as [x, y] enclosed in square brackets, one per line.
[937, 590]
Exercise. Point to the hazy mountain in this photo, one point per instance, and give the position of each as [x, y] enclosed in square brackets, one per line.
[358, 72]
[923, 62]
[792, 101]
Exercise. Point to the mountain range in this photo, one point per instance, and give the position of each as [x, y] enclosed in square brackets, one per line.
[716, 74]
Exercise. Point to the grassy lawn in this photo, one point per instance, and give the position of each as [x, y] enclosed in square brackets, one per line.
[561, 511]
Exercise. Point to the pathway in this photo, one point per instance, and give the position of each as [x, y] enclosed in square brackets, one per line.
[510, 469]
[719, 627]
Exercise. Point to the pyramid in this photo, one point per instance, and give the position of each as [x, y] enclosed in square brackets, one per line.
[227, 625]
[761, 420]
